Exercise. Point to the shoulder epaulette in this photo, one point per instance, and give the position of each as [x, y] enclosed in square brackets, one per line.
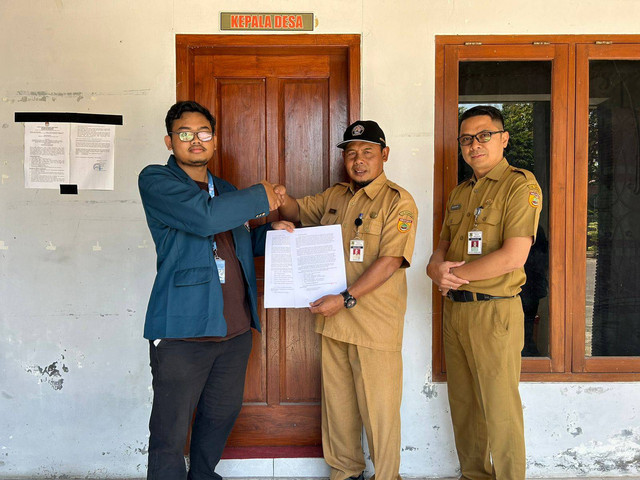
[394, 186]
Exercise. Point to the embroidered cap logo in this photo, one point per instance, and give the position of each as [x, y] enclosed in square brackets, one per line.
[357, 130]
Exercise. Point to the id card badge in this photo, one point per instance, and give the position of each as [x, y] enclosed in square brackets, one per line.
[356, 250]
[221, 269]
[474, 243]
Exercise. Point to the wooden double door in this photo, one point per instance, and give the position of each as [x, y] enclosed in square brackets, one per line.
[281, 104]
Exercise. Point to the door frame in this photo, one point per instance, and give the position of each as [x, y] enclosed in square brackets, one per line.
[188, 47]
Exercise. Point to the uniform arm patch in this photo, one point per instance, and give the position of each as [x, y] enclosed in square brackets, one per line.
[534, 198]
[405, 222]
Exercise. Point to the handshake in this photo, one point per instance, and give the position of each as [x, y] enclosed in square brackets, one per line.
[276, 194]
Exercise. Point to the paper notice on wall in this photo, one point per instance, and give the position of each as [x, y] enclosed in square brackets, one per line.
[46, 155]
[92, 156]
[63, 153]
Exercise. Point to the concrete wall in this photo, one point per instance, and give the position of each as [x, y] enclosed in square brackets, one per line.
[74, 378]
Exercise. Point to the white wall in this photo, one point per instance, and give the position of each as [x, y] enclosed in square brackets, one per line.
[74, 377]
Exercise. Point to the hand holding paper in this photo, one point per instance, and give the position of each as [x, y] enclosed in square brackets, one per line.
[283, 225]
[328, 305]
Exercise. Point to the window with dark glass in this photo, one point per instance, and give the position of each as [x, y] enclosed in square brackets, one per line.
[612, 323]
[522, 92]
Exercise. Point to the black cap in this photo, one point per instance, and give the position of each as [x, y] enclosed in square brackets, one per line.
[363, 131]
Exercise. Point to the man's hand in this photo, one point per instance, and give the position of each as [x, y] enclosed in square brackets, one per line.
[289, 209]
[440, 273]
[275, 199]
[328, 305]
[281, 193]
[283, 225]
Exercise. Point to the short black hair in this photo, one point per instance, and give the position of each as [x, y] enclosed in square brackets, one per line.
[479, 110]
[177, 110]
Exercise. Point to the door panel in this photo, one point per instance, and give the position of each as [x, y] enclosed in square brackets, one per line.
[281, 104]
[296, 66]
[241, 131]
[300, 356]
[304, 116]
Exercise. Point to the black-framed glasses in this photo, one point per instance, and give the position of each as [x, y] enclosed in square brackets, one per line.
[482, 137]
[189, 136]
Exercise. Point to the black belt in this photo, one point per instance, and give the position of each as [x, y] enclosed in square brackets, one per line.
[465, 296]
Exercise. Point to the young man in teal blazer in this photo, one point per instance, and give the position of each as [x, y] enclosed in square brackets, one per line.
[203, 302]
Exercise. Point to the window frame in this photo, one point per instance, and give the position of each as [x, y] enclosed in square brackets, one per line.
[569, 55]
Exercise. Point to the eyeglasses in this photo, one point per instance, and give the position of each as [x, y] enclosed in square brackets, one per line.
[189, 136]
[482, 137]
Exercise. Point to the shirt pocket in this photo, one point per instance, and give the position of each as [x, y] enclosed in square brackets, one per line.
[189, 297]
[330, 217]
[489, 222]
[454, 220]
[371, 231]
[192, 276]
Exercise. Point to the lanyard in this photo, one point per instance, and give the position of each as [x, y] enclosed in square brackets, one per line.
[212, 191]
[356, 245]
[358, 223]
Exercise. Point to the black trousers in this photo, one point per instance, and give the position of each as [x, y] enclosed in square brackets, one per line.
[209, 375]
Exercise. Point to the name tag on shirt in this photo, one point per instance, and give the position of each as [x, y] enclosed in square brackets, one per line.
[474, 243]
[221, 269]
[356, 250]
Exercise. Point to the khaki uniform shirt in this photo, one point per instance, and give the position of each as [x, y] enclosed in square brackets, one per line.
[388, 230]
[511, 201]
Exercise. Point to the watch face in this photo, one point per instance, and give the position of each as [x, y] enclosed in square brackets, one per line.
[350, 302]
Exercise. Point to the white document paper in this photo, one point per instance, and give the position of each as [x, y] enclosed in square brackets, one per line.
[78, 153]
[46, 155]
[302, 266]
[92, 156]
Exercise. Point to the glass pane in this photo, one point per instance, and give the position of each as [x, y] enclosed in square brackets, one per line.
[613, 210]
[522, 91]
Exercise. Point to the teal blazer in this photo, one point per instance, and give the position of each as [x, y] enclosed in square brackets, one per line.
[186, 298]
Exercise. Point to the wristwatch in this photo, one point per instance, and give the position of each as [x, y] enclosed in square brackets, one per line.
[349, 300]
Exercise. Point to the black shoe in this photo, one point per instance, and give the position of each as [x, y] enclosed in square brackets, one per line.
[358, 477]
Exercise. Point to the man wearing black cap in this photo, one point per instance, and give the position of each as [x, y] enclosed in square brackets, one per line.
[362, 327]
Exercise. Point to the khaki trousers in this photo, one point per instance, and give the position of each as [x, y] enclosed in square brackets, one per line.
[360, 386]
[482, 344]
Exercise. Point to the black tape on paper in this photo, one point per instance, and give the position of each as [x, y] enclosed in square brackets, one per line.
[66, 117]
[70, 189]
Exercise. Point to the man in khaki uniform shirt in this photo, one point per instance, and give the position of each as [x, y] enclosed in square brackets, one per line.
[489, 227]
[362, 327]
